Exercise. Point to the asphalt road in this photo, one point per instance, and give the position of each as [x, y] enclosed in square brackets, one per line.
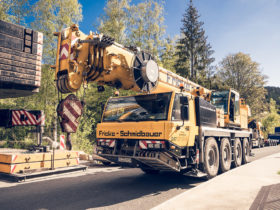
[101, 188]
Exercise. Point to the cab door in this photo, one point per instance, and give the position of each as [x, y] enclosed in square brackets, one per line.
[182, 132]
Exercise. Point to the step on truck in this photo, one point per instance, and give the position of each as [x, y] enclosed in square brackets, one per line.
[172, 125]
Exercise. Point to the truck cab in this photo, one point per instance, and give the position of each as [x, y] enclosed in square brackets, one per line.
[135, 128]
[234, 108]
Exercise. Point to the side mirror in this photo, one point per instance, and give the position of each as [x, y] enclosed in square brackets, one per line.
[102, 110]
[184, 100]
[185, 112]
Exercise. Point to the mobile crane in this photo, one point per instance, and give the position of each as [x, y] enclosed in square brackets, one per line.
[172, 125]
[257, 131]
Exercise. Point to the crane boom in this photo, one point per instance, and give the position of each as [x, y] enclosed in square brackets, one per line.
[97, 58]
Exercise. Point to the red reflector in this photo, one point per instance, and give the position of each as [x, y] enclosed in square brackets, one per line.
[106, 142]
[197, 156]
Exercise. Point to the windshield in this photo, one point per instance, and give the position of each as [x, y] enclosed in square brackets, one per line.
[220, 100]
[137, 108]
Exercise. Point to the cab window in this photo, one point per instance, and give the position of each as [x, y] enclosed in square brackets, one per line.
[176, 111]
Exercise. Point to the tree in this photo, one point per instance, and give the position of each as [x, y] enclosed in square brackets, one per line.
[238, 71]
[4, 8]
[115, 20]
[14, 11]
[168, 56]
[194, 53]
[146, 26]
[53, 16]
[140, 25]
[272, 119]
[274, 93]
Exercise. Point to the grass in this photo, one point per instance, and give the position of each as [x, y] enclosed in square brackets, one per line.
[278, 173]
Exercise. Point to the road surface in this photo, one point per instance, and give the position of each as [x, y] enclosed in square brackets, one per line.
[101, 188]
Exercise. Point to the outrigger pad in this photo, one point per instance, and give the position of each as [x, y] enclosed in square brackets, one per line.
[69, 110]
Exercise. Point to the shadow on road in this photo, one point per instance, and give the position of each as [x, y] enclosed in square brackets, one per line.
[92, 190]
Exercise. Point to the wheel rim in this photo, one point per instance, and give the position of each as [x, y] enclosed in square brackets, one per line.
[238, 151]
[246, 149]
[212, 158]
[226, 153]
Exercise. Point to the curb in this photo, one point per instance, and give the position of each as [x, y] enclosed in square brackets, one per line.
[190, 191]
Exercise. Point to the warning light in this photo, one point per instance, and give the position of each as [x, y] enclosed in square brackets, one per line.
[181, 86]
[117, 93]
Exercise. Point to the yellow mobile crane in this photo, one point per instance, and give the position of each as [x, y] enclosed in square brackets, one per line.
[170, 126]
[257, 131]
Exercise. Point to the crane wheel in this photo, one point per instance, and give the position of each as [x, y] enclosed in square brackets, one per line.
[146, 72]
[245, 151]
[225, 155]
[211, 157]
[237, 153]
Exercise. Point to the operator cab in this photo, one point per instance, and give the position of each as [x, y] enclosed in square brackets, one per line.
[228, 101]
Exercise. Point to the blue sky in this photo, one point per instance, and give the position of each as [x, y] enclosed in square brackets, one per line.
[248, 26]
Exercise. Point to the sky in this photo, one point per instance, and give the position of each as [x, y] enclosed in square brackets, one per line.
[232, 26]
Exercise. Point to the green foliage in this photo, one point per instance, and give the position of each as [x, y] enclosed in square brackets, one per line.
[14, 11]
[168, 56]
[238, 71]
[25, 144]
[52, 16]
[146, 28]
[46, 99]
[272, 119]
[274, 93]
[139, 25]
[115, 20]
[81, 139]
[193, 51]
[4, 9]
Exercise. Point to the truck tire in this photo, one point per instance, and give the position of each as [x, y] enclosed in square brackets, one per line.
[245, 151]
[211, 157]
[237, 153]
[262, 143]
[225, 155]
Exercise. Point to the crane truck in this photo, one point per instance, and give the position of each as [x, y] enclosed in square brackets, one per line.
[174, 124]
[257, 133]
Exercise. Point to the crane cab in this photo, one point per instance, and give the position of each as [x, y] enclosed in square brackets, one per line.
[235, 109]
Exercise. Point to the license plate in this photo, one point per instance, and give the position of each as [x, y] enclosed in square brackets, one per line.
[124, 160]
